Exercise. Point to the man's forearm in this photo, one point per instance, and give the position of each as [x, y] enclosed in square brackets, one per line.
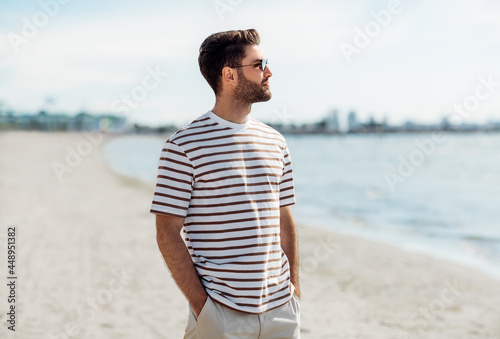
[181, 266]
[289, 243]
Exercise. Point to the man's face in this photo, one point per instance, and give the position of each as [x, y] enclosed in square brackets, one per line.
[253, 83]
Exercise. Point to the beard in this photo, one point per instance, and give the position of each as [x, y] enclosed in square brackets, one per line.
[250, 92]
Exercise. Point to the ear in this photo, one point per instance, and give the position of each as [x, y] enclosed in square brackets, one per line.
[229, 76]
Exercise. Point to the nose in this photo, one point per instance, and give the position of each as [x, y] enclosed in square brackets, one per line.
[268, 72]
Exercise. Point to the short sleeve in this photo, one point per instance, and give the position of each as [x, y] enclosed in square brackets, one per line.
[287, 190]
[174, 183]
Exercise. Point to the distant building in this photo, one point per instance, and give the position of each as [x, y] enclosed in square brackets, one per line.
[445, 124]
[352, 122]
[373, 126]
[332, 122]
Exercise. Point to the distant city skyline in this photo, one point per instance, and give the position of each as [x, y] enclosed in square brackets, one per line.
[398, 60]
[329, 124]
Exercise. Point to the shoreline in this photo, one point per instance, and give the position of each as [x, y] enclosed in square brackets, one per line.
[447, 257]
[91, 237]
[456, 253]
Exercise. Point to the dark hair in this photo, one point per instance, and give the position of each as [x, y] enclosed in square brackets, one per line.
[224, 49]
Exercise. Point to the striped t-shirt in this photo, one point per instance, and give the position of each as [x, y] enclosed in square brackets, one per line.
[229, 181]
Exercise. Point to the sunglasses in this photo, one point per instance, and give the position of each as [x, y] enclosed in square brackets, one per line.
[262, 65]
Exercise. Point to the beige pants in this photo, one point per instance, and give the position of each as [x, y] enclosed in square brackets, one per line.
[217, 321]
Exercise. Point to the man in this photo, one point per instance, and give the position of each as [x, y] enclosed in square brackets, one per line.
[222, 201]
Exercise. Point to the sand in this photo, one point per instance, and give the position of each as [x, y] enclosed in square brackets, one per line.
[88, 265]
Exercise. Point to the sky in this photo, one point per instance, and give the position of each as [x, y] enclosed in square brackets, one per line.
[397, 60]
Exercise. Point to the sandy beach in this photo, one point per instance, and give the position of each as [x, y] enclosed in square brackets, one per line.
[88, 266]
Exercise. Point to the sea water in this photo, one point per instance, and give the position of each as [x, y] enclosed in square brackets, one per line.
[436, 195]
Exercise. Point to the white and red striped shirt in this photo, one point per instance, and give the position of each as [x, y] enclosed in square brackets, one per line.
[229, 181]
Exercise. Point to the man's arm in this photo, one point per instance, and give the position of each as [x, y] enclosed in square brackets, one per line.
[289, 243]
[179, 261]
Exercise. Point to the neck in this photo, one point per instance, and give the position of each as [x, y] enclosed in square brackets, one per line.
[231, 110]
